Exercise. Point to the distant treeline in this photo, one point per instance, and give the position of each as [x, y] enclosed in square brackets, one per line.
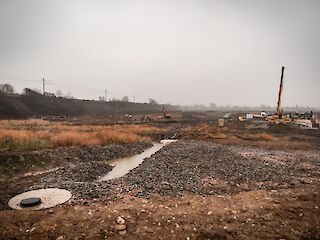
[33, 104]
[235, 108]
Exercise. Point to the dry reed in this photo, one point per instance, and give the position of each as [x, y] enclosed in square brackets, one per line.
[36, 134]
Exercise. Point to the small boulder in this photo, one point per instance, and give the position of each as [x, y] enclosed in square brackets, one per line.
[122, 232]
[51, 211]
[120, 227]
[120, 220]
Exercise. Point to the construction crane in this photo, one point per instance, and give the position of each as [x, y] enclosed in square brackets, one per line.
[279, 110]
[278, 117]
[302, 119]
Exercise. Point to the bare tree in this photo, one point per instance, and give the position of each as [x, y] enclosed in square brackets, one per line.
[114, 99]
[125, 99]
[152, 101]
[59, 93]
[7, 88]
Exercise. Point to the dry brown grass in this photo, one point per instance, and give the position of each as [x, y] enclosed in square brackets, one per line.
[23, 123]
[36, 134]
[93, 138]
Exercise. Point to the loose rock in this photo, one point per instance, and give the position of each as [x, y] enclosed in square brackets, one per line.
[120, 227]
[122, 232]
[120, 220]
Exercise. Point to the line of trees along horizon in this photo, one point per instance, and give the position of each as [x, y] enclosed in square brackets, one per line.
[8, 89]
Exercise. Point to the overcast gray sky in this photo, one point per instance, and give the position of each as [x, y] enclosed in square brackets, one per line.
[177, 51]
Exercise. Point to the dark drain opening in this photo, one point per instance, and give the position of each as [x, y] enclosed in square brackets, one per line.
[30, 202]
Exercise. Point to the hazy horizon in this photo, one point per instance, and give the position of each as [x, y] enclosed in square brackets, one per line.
[179, 52]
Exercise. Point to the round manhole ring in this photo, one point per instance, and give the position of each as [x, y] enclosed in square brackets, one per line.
[30, 202]
[49, 197]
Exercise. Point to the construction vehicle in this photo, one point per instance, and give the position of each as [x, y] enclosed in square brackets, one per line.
[279, 117]
[165, 113]
[302, 119]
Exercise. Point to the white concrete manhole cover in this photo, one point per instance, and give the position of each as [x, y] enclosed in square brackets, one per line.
[48, 197]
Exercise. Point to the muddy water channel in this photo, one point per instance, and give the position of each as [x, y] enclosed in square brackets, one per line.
[123, 165]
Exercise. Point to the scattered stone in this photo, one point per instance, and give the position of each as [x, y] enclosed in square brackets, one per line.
[149, 230]
[50, 211]
[225, 169]
[120, 227]
[220, 170]
[120, 220]
[80, 178]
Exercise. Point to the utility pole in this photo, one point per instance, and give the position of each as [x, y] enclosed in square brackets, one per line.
[105, 94]
[43, 86]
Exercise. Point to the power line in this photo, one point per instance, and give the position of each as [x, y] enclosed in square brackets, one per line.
[74, 88]
[16, 79]
[50, 82]
[45, 82]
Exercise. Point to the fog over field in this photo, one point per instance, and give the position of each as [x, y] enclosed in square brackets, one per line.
[181, 52]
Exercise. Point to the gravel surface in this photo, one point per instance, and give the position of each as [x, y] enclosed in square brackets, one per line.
[196, 167]
[14, 163]
[72, 168]
[207, 168]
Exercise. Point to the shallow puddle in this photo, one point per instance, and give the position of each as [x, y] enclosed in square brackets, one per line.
[123, 165]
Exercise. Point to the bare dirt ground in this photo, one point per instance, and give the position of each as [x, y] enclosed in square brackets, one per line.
[231, 183]
[278, 214]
